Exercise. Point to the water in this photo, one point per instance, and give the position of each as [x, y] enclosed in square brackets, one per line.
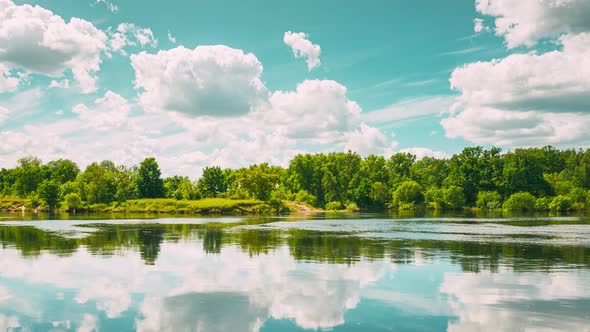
[338, 272]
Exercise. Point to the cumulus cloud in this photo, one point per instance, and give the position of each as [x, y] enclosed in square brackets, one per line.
[525, 99]
[420, 153]
[525, 22]
[207, 81]
[48, 45]
[128, 34]
[316, 107]
[63, 84]
[369, 140]
[3, 114]
[302, 47]
[110, 111]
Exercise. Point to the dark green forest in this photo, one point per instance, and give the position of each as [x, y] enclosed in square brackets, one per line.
[525, 179]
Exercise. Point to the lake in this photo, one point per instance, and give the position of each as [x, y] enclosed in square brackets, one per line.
[331, 272]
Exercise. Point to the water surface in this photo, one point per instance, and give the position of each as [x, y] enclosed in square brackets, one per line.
[334, 272]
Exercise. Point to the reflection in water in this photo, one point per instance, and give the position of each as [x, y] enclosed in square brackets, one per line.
[365, 275]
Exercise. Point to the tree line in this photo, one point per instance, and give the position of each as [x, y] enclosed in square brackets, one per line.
[523, 179]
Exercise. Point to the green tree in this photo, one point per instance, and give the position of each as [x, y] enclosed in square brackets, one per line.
[409, 192]
[73, 201]
[488, 200]
[62, 170]
[149, 181]
[213, 182]
[48, 191]
[454, 198]
[521, 201]
[28, 175]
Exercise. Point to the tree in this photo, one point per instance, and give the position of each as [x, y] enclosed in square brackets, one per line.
[488, 200]
[73, 201]
[259, 180]
[213, 182]
[409, 192]
[62, 170]
[149, 182]
[454, 197]
[48, 191]
[28, 175]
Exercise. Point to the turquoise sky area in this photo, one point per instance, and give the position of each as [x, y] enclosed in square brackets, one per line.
[231, 83]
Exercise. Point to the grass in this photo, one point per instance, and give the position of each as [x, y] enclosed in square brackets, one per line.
[169, 205]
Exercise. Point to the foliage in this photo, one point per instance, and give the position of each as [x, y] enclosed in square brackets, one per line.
[334, 206]
[408, 192]
[560, 203]
[214, 181]
[352, 207]
[305, 197]
[149, 182]
[454, 198]
[73, 201]
[489, 200]
[521, 201]
[48, 191]
[542, 204]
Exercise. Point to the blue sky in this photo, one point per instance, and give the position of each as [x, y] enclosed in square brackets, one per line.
[197, 83]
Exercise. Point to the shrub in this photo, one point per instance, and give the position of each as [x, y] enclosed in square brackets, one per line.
[488, 200]
[73, 201]
[521, 201]
[542, 204]
[560, 203]
[305, 197]
[352, 207]
[333, 206]
[408, 192]
[454, 197]
[434, 198]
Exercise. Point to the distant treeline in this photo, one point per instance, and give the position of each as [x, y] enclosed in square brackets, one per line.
[523, 179]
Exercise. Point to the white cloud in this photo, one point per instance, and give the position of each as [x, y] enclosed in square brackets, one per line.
[89, 324]
[478, 25]
[369, 140]
[420, 153]
[209, 80]
[525, 99]
[302, 47]
[63, 84]
[8, 323]
[316, 108]
[3, 114]
[128, 34]
[171, 38]
[110, 111]
[48, 45]
[8, 82]
[525, 22]
[110, 6]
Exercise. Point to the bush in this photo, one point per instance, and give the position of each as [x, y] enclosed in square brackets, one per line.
[454, 197]
[577, 197]
[542, 204]
[560, 203]
[522, 201]
[434, 198]
[352, 207]
[333, 206]
[73, 201]
[488, 200]
[408, 192]
[305, 197]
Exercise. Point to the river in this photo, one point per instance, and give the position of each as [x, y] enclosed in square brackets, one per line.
[357, 272]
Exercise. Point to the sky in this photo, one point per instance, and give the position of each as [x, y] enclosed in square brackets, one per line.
[232, 83]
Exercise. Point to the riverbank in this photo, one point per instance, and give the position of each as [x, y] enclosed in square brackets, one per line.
[207, 206]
